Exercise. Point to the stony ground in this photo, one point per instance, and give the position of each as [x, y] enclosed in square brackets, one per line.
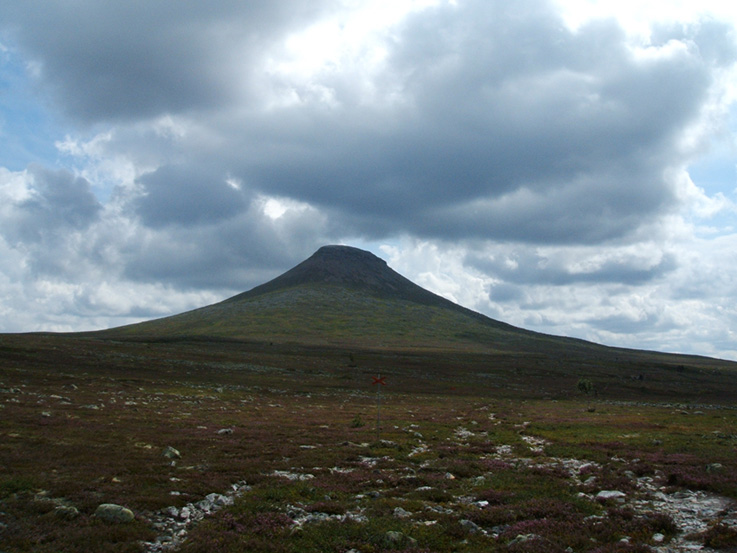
[684, 518]
[281, 461]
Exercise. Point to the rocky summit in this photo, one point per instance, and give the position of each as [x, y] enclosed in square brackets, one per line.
[339, 295]
[354, 269]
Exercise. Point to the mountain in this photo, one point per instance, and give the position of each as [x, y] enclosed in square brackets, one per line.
[344, 296]
[352, 268]
[344, 303]
[362, 272]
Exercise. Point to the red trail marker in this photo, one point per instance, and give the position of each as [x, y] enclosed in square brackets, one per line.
[378, 381]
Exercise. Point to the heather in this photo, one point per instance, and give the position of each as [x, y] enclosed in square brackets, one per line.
[292, 456]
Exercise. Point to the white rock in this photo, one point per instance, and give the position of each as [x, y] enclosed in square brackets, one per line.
[109, 512]
[401, 513]
[611, 495]
[471, 526]
[171, 453]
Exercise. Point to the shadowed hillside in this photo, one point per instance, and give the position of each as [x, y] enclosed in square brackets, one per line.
[346, 296]
[344, 303]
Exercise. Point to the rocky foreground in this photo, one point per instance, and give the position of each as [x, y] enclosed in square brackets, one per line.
[696, 520]
[195, 468]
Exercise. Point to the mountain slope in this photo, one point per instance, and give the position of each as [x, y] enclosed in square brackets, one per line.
[348, 297]
[359, 271]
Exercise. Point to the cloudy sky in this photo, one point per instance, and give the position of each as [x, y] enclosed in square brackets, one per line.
[567, 166]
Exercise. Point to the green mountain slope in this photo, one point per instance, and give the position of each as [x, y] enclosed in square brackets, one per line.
[346, 296]
[344, 304]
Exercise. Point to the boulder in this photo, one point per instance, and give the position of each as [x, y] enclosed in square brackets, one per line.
[171, 453]
[401, 513]
[115, 514]
[523, 538]
[471, 526]
[394, 539]
[66, 512]
[611, 495]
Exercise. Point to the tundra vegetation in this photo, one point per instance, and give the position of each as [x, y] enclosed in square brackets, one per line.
[229, 447]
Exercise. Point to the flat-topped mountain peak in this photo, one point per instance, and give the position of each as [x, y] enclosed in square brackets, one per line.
[340, 294]
[348, 267]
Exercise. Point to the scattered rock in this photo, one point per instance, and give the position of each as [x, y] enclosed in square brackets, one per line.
[172, 523]
[422, 448]
[714, 467]
[463, 433]
[63, 399]
[611, 495]
[395, 539]
[66, 512]
[523, 538]
[225, 431]
[293, 475]
[115, 514]
[691, 511]
[401, 513]
[471, 526]
[171, 453]
[536, 445]
[214, 502]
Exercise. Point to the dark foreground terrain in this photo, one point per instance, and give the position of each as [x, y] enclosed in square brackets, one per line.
[211, 446]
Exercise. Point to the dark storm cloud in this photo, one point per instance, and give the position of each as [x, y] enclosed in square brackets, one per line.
[622, 324]
[524, 266]
[510, 126]
[187, 196]
[58, 202]
[486, 120]
[597, 208]
[49, 221]
[506, 293]
[137, 59]
[212, 256]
